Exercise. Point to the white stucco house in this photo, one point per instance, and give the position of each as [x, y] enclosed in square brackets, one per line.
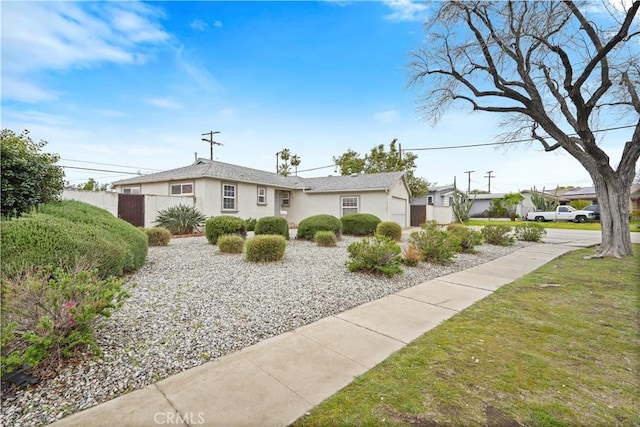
[218, 188]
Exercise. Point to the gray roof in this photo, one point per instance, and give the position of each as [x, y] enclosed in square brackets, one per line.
[580, 191]
[204, 168]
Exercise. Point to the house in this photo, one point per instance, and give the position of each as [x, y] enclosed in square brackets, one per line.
[218, 188]
[589, 194]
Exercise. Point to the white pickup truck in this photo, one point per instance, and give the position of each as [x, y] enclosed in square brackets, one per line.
[562, 213]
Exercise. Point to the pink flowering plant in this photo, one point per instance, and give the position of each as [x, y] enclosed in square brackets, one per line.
[46, 316]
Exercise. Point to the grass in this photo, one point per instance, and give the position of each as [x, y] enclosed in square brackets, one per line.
[557, 347]
[567, 225]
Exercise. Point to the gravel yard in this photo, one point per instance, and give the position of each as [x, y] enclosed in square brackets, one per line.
[192, 304]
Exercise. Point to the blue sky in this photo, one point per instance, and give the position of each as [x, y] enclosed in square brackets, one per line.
[136, 84]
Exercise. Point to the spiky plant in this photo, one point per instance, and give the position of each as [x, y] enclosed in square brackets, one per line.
[542, 202]
[180, 219]
[461, 204]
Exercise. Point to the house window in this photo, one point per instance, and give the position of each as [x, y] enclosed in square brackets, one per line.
[262, 196]
[430, 200]
[131, 190]
[350, 205]
[285, 199]
[229, 197]
[182, 189]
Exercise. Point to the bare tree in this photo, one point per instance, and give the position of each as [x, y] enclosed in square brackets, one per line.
[562, 68]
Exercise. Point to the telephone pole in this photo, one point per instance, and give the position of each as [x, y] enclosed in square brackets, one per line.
[211, 141]
[469, 180]
[489, 176]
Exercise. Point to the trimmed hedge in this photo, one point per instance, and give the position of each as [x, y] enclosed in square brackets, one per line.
[266, 248]
[158, 236]
[276, 225]
[224, 224]
[326, 238]
[389, 229]
[308, 227]
[230, 244]
[71, 235]
[359, 224]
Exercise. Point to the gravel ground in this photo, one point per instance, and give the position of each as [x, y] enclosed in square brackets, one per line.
[192, 304]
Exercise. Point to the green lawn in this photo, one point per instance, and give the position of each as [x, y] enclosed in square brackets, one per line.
[557, 347]
[634, 225]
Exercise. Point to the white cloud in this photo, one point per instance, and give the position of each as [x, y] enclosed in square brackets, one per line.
[198, 72]
[406, 10]
[199, 25]
[388, 116]
[38, 117]
[21, 90]
[143, 150]
[164, 103]
[217, 24]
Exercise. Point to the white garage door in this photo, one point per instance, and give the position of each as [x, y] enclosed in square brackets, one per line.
[399, 211]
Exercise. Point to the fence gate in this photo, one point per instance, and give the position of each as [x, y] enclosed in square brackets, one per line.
[418, 215]
[131, 208]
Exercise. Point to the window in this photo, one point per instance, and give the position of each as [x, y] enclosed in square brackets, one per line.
[262, 196]
[349, 205]
[182, 189]
[430, 200]
[131, 190]
[228, 197]
[563, 209]
[285, 199]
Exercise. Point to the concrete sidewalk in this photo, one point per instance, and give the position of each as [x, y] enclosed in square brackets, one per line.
[278, 380]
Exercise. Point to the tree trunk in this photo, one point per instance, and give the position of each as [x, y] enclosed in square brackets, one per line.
[613, 197]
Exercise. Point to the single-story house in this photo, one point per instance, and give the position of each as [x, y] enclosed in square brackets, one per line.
[589, 194]
[437, 196]
[219, 188]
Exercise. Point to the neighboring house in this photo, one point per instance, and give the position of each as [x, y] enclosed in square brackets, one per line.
[589, 194]
[634, 202]
[224, 189]
[437, 196]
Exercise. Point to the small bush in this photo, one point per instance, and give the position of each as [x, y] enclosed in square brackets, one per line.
[466, 238]
[497, 235]
[224, 224]
[180, 219]
[389, 229]
[308, 227]
[276, 225]
[411, 256]
[634, 215]
[230, 244]
[158, 236]
[375, 255]
[47, 315]
[579, 204]
[326, 239]
[530, 232]
[359, 224]
[266, 248]
[251, 224]
[435, 245]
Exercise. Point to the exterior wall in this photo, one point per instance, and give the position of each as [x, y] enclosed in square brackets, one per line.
[103, 199]
[304, 204]
[154, 203]
[440, 214]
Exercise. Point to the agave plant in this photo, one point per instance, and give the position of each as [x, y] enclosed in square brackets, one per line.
[180, 219]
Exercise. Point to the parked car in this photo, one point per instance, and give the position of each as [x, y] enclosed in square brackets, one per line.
[595, 209]
[562, 213]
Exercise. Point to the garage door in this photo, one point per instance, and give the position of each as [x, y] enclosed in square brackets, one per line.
[399, 211]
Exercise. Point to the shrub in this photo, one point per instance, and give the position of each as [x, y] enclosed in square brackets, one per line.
[497, 235]
[273, 225]
[224, 224]
[634, 215]
[435, 245]
[579, 204]
[158, 236]
[359, 224]
[466, 238]
[308, 227]
[530, 232]
[411, 256]
[180, 219]
[265, 248]
[389, 229]
[68, 233]
[251, 224]
[375, 255]
[230, 244]
[48, 314]
[326, 239]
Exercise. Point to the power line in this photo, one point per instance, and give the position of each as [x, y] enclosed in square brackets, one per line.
[101, 170]
[109, 164]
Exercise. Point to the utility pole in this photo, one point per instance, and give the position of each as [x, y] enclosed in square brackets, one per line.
[488, 175]
[469, 180]
[211, 141]
[277, 161]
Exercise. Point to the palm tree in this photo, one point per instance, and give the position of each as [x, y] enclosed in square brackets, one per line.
[295, 162]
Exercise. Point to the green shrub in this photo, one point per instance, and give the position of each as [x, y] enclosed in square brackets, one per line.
[265, 248]
[634, 215]
[326, 239]
[251, 224]
[70, 234]
[435, 245]
[273, 225]
[389, 229]
[308, 227]
[224, 224]
[180, 219]
[230, 244]
[531, 232]
[49, 314]
[579, 204]
[466, 239]
[497, 235]
[359, 224]
[158, 236]
[375, 255]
